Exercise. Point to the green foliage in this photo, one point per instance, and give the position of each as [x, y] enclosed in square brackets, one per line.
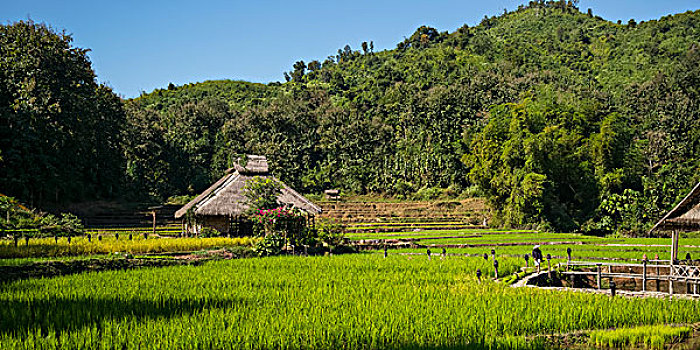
[207, 232]
[261, 194]
[331, 233]
[18, 221]
[180, 200]
[60, 132]
[547, 111]
[531, 162]
[552, 111]
[270, 245]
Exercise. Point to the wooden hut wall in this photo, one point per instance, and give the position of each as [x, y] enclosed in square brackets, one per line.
[219, 223]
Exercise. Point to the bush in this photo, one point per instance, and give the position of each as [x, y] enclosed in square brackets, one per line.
[16, 218]
[269, 246]
[401, 188]
[428, 193]
[331, 232]
[207, 232]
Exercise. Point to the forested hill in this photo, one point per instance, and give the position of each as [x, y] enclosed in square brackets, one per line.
[562, 119]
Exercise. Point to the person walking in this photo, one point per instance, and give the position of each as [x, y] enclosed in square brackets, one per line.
[537, 256]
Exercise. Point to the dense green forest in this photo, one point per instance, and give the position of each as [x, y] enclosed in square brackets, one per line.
[561, 119]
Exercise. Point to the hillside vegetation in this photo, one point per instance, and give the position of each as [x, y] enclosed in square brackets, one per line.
[561, 119]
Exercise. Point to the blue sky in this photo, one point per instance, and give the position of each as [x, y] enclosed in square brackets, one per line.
[142, 45]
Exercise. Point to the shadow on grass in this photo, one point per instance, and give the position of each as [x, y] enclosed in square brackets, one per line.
[62, 268]
[64, 314]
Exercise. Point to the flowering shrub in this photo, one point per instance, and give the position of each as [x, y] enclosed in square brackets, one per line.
[279, 221]
[282, 226]
[288, 224]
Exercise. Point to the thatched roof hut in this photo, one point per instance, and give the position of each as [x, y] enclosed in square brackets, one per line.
[225, 199]
[683, 217]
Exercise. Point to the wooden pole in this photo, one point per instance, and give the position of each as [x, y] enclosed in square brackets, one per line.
[674, 246]
[599, 275]
[644, 276]
[658, 282]
[154, 222]
[674, 257]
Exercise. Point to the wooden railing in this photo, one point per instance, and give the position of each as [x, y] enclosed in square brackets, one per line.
[651, 270]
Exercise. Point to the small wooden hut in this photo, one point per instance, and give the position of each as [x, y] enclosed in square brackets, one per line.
[223, 205]
[684, 217]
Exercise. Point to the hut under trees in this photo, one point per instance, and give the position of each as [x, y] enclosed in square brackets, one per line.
[224, 205]
[684, 217]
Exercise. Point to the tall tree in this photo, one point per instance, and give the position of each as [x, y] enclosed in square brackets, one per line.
[59, 130]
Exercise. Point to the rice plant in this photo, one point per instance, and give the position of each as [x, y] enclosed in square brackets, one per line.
[351, 302]
[50, 247]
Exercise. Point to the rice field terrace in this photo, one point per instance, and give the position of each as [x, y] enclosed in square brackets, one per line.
[517, 243]
[355, 301]
[77, 246]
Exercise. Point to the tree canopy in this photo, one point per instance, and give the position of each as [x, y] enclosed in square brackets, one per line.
[564, 120]
[60, 131]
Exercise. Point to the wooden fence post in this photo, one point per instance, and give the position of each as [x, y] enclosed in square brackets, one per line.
[644, 275]
[658, 273]
[612, 287]
[674, 246]
[145, 235]
[599, 275]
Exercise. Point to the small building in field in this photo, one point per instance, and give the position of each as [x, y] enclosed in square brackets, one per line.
[223, 206]
[684, 217]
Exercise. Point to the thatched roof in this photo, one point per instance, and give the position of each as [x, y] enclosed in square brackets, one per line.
[685, 216]
[226, 197]
[255, 165]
